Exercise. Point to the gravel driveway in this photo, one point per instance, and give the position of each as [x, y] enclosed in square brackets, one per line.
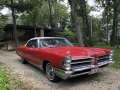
[106, 79]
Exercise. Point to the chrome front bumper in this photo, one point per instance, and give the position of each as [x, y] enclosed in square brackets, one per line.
[91, 69]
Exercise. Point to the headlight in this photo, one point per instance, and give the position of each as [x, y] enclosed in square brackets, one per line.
[66, 63]
[111, 55]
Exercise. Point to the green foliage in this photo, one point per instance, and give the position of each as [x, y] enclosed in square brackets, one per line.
[21, 33]
[3, 19]
[75, 44]
[13, 49]
[97, 33]
[3, 81]
[32, 15]
[60, 15]
[67, 34]
[95, 38]
[41, 15]
[100, 44]
[9, 81]
[38, 13]
[1, 44]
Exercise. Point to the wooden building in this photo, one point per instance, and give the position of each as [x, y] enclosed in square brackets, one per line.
[24, 34]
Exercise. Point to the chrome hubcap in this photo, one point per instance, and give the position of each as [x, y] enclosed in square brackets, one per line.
[50, 71]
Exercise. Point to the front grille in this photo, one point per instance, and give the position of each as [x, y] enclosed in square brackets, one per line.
[82, 66]
[103, 58]
[83, 71]
[81, 62]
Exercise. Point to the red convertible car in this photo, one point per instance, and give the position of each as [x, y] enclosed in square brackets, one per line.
[61, 60]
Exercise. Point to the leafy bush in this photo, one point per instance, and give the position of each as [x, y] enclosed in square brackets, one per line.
[67, 34]
[95, 38]
[75, 44]
[1, 45]
[3, 81]
[13, 49]
[100, 44]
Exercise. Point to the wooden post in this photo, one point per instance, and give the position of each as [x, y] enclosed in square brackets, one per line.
[41, 32]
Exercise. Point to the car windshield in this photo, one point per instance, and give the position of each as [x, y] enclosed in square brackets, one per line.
[54, 42]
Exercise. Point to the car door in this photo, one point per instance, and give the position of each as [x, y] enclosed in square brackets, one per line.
[31, 50]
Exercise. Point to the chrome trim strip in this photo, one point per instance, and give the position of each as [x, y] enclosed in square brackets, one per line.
[105, 63]
[36, 65]
[76, 75]
[82, 58]
[81, 62]
[84, 68]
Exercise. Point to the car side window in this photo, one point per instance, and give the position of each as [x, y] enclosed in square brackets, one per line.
[32, 44]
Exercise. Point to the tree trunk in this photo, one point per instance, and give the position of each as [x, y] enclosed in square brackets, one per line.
[50, 12]
[117, 44]
[88, 27]
[114, 26]
[35, 30]
[14, 24]
[76, 22]
[107, 33]
[107, 23]
[84, 28]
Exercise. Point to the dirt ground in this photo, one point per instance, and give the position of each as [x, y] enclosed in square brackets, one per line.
[106, 79]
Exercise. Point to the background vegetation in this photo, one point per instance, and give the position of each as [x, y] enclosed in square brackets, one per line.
[79, 26]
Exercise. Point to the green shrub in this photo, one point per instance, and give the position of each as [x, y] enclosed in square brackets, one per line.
[75, 44]
[3, 81]
[100, 44]
[1, 45]
[13, 49]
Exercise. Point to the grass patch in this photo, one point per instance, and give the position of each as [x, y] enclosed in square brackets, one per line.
[116, 56]
[10, 81]
[4, 85]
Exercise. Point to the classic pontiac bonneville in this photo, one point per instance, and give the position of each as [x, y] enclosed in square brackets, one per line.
[60, 59]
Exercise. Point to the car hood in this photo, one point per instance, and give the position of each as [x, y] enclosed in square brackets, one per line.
[77, 51]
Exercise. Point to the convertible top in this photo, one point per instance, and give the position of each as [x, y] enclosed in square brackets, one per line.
[47, 38]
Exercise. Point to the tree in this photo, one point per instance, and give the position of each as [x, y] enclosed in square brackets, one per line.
[111, 13]
[30, 13]
[42, 17]
[107, 16]
[76, 22]
[50, 4]
[114, 35]
[87, 23]
[14, 23]
[83, 10]
[3, 19]
[1, 28]
[67, 34]
[60, 15]
[11, 4]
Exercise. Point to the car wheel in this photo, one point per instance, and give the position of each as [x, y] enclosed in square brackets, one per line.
[50, 73]
[24, 61]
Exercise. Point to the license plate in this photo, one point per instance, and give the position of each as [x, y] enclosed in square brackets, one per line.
[95, 70]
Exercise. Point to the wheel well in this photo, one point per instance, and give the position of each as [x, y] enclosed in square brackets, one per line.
[44, 65]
